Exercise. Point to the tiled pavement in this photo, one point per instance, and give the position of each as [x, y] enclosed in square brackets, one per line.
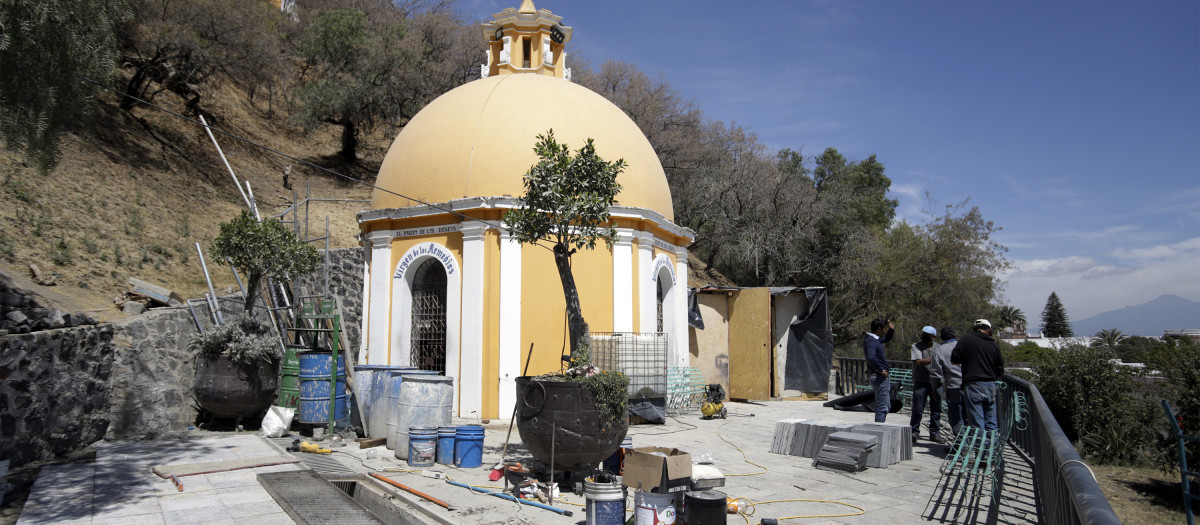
[119, 487]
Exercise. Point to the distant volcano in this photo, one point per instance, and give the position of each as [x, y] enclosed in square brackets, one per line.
[1168, 312]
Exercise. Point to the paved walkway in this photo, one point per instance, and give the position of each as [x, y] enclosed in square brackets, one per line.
[119, 487]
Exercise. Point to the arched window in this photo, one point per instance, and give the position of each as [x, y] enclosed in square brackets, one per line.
[428, 340]
[662, 295]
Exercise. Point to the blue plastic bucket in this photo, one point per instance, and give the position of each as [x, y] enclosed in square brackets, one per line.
[468, 446]
[422, 444]
[445, 445]
[392, 387]
[315, 369]
[424, 401]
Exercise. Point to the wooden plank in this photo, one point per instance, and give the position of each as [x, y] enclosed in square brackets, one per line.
[750, 344]
[372, 442]
[154, 292]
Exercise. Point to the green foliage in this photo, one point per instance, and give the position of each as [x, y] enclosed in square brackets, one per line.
[47, 48]
[1055, 321]
[243, 339]
[134, 223]
[1083, 389]
[566, 202]
[1114, 444]
[1027, 352]
[1179, 365]
[261, 249]
[183, 226]
[62, 255]
[6, 247]
[1007, 316]
[1135, 348]
[608, 386]
[1107, 338]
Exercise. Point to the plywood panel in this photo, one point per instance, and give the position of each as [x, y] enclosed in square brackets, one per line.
[750, 344]
[709, 348]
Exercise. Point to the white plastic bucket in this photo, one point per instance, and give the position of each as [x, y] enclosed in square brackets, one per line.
[654, 509]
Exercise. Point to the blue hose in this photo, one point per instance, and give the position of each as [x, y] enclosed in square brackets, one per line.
[511, 498]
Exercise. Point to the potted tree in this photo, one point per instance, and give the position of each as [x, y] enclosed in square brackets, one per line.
[581, 411]
[237, 363]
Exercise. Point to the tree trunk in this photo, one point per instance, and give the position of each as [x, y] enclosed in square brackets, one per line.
[349, 141]
[575, 324]
[252, 282]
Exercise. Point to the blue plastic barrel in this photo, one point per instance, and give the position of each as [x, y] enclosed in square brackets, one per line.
[315, 369]
[468, 446]
[422, 444]
[445, 445]
[395, 379]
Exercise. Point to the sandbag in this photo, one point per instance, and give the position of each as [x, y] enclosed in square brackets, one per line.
[277, 421]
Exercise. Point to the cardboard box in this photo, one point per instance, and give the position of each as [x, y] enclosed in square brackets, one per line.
[672, 473]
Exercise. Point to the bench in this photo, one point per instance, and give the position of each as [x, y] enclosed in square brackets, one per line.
[976, 455]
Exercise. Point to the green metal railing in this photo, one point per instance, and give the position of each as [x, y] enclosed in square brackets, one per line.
[1185, 475]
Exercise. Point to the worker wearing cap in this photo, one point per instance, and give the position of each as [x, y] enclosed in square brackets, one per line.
[947, 378]
[922, 356]
[877, 365]
[982, 365]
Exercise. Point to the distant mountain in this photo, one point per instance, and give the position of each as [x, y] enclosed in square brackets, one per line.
[1168, 312]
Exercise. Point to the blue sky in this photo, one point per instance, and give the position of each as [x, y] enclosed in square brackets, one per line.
[1074, 126]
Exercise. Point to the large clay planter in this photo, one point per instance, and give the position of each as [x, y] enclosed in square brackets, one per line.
[563, 415]
[228, 389]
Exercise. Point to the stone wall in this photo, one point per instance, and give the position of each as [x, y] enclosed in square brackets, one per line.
[152, 375]
[54, 390]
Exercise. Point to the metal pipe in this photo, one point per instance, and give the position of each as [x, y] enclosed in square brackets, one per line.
[253, 203]
[413, 491]
[208, 279]
[508, 497]
[236, 184]
[236, 276]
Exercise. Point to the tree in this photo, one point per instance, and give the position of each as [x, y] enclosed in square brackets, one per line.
[1083, 389]
[263, 249]
[1107, 338]
[1009, 315]
[1055, 322]
[177, 46]
[49, 50]
[566, 202]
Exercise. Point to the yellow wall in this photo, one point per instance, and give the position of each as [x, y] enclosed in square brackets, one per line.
[543, 308]
[709, 348]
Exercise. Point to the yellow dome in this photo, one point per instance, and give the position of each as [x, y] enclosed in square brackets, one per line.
[477, 141]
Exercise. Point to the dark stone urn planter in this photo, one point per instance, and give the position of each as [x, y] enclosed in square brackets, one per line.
[563, 415]
[229, 389]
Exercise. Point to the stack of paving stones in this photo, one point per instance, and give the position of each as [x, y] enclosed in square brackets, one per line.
[845, 452]
[785, 433]
[895, 443]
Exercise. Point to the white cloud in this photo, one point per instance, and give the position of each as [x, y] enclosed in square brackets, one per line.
[1088, 285]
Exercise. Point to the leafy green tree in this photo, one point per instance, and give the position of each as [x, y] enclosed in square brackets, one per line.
[262, 249]
[1108, 338]
[1027, 352]
[1084, 390]
[566, 202]
[1008, 315]
[47, 50]
[1055, 322]
[1179, 364]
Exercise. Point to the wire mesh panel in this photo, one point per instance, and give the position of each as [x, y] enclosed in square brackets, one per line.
[685, 390]
[640, 356]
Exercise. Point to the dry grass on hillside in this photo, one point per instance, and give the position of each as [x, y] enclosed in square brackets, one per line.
[134, 194]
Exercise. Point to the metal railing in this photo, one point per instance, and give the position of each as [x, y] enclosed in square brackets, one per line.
[1067, 491]
[852, 373]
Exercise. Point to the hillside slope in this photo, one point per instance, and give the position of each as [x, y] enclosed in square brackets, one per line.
[1150, 319]
[135, 193]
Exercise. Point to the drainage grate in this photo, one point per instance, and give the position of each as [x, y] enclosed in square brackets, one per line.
[324, 463]
[310, 499]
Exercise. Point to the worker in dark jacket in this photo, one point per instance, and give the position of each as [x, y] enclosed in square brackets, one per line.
[881, 332]
[982, 365]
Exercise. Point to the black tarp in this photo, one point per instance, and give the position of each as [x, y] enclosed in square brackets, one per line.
[694, 319]
[810, 346]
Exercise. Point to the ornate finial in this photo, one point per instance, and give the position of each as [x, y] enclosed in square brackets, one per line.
[527, 7]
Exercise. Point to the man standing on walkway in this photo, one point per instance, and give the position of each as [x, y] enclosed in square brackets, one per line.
[947, 377]
[922, 356]
[881, 332]
[982, 366]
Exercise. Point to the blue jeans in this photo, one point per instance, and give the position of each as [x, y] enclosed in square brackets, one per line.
[980, 404]
[922, 391]
[883, 396]
[954, 403]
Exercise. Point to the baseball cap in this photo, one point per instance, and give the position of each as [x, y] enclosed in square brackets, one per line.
[983, 322]
[929, 330]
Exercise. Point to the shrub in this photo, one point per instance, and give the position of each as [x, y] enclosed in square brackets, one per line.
[1084, 390]
[1179, 364]
[244, 339]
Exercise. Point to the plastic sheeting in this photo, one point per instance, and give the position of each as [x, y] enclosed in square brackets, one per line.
[810, 346]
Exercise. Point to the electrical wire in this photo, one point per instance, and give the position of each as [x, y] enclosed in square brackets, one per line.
[744, 457]
[753, 507]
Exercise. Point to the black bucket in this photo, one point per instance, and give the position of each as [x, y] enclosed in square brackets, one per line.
[705, 507]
